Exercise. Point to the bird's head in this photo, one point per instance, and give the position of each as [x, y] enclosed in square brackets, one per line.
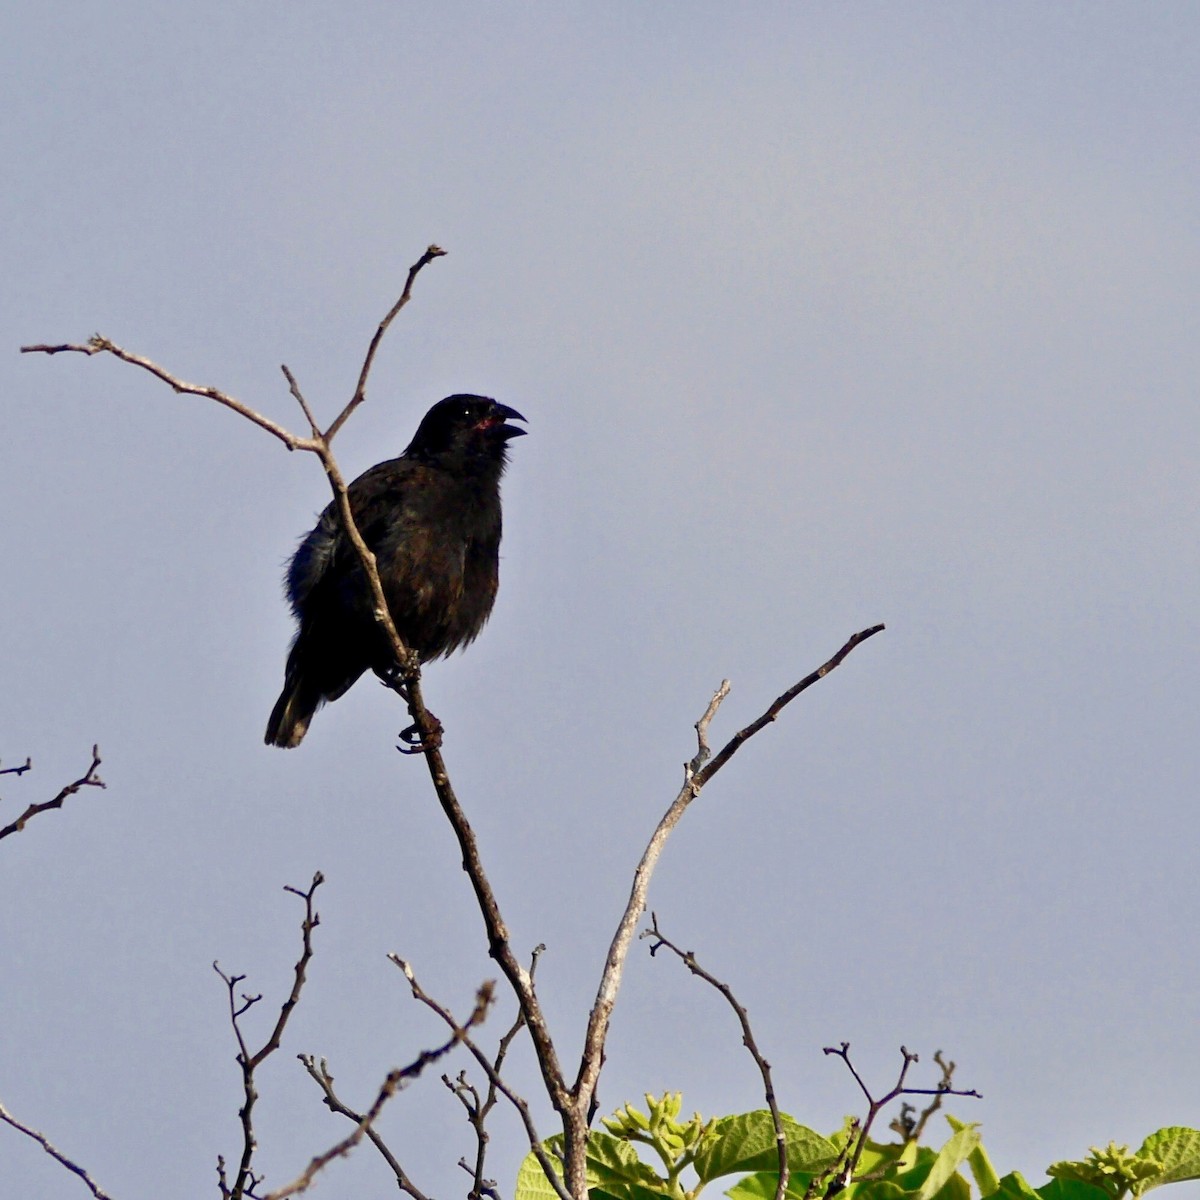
[467, 426]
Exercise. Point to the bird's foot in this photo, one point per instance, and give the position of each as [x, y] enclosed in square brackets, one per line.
[416, 743]
[394, 679]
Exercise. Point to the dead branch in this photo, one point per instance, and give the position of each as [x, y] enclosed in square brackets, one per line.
[97, 1191]
[99, 344]
[320, 1073]
[573, 1103]
[245, 1181]
[846, 1174]
[479, 1108]
[88, 779]
[688, 958]
[697, 773]
[491, 1070]
[360, 390]
[427, 726]
[395, 1081]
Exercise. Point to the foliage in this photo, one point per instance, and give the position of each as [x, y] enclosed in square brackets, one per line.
[688, 1155]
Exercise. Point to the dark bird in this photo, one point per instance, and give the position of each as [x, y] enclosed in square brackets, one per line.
[432, 519]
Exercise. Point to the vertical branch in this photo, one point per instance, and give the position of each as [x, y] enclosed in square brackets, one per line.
[697, 773]
[245, 1181]
[478, 1108]
[764, 1068]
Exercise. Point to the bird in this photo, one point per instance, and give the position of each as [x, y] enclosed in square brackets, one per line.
[432, 519]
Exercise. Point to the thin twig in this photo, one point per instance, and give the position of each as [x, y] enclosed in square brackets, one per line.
[27, 765]
[489, 1069]
[42, 1140]
[360, 390]
[780, 703]
[394, 1082]
[846, 1174]
[88, 779]
[245, 1180]
[688, 958]
[908, 1124]
[99, 344]
[479, 1108]
[320, 1073]
[592, 1058]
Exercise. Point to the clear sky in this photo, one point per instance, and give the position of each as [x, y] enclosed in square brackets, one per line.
[821, 315]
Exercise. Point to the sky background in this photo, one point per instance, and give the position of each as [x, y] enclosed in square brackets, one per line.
[821, 315]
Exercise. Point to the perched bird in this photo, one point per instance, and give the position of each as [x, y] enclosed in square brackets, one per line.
[432, 519]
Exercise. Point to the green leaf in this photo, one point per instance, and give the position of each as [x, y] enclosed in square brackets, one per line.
[1014, 1187]
[760, 1186]
[876, 1189]
[951, 1156]
[614, 1166]
[532, 1183]
[1177, 1148]
[746, 1142]
[1071, 1189]
[614, 1172]
[911, 1170]
[982, 1170]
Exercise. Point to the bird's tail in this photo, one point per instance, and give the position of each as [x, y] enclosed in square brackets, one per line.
[292, 712]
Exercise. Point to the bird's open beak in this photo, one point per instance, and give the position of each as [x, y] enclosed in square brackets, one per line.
[501, 414]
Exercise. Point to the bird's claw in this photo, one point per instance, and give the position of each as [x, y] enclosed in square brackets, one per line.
[416, 743]
[395, 680]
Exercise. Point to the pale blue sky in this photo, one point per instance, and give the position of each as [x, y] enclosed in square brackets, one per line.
[821, 315]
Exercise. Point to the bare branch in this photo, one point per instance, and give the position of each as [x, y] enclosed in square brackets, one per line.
[360, 391]
[98, 1192]
[492, 1072]
[424, 722]
[245, 1180]
[703, 752]
[697, 776]
[294, 388]
[99, 344]
[781, 702]
[88, 779]
[320, 1073]
[846, 1173]
[478, 1109]
[908, 1124]
[688, 958]
[395, 1081]
[27, 765]
[573, 1103]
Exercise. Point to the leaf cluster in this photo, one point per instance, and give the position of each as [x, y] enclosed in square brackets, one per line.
[686, 1156]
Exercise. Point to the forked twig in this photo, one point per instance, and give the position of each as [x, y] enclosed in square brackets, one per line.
[846, 1174]
[688, 958]
[88, 779]
[478, 1107]
[395, 1081]
[492, 1072]
[697, 773]
[245, 1181]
